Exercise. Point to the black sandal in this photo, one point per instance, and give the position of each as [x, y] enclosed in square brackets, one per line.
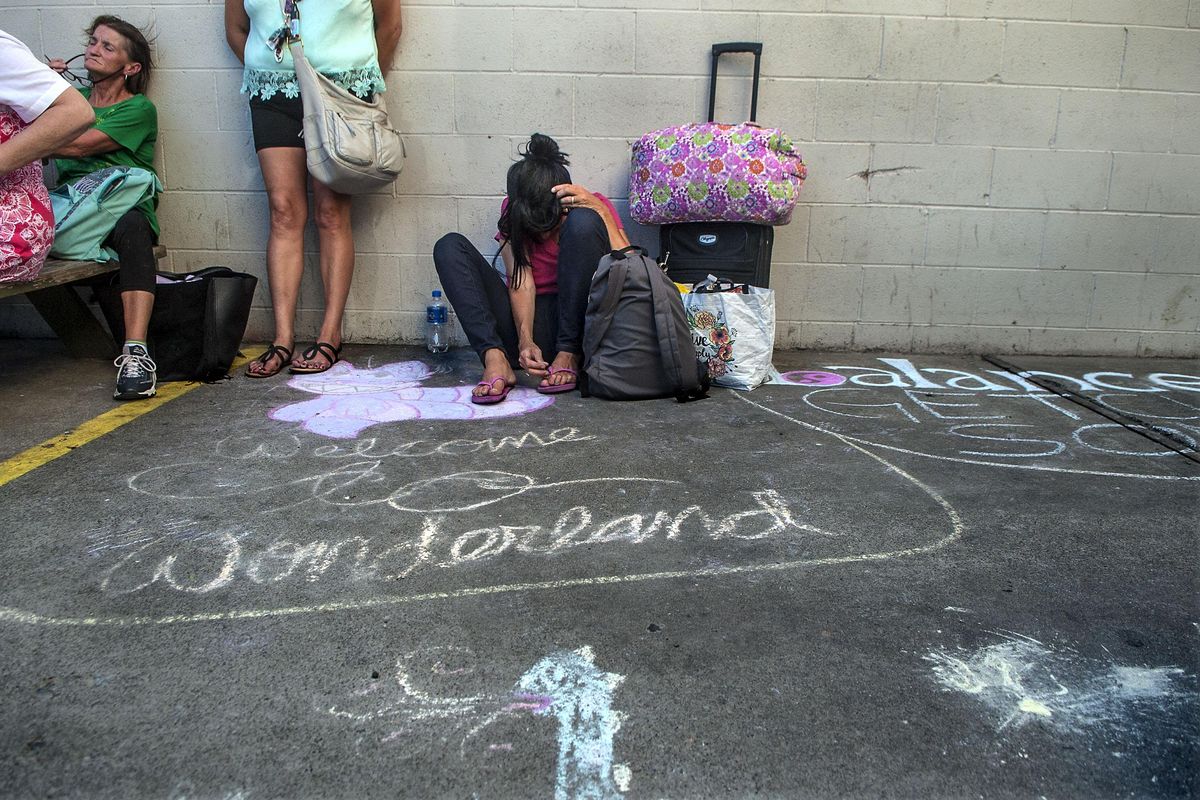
[320, 348]
[274, 351]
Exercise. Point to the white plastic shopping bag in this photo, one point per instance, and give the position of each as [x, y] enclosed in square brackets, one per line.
[734, 332]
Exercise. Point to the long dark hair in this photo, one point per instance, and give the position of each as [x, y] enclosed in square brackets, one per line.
[532, 208]
[136, 47]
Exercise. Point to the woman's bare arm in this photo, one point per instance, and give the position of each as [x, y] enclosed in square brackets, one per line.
[523, 301]
[89, 143]
[572, 195]
[388, 27]
[65, 119]
[237, 28]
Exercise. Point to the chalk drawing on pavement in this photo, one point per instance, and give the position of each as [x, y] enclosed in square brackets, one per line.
[228, 556]
[352, 484]
[867, 445]
[1091, 436]
[565, 685]
[186, 790]
[994, 459]
[813, 378]
[995, 418]
[352, 400]
[401, 699]
[196, 559]
[581, 701]
[1137, 406]
[1019, 681]
[902, 373]
[370, 447]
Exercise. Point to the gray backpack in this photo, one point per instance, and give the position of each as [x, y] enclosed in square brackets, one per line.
[636, 340]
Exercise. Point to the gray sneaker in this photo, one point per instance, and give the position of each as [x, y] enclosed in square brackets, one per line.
[136, 374]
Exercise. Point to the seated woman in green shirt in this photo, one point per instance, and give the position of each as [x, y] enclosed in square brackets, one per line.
[118, 63]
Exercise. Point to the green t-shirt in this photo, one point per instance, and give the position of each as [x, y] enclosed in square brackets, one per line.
[132, 124]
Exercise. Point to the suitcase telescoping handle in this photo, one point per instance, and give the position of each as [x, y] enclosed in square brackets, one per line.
[719, 50]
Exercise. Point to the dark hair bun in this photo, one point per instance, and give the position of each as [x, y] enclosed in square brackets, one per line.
[543, 148]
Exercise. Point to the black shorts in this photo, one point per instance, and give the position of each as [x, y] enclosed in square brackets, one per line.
[278, 122]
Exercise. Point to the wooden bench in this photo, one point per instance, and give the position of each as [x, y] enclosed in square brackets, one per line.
[53, 295]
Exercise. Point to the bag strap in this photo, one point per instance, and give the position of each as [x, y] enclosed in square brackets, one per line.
[668, 341]
[667, 344]
[288, 34]
[212, 272]
[721, 285]
[615, 277]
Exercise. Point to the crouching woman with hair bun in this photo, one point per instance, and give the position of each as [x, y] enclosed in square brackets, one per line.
[552, 234]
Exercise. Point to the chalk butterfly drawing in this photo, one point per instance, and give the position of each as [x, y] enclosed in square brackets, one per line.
[353, 399]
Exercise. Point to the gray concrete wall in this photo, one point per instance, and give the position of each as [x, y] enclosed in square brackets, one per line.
[986, 175]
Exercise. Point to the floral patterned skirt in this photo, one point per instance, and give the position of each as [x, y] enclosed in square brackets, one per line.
[26, 219]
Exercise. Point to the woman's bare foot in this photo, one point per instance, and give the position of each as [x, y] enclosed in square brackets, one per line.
[564, 369]
[317, 358]
[276, 357]
[495, 367]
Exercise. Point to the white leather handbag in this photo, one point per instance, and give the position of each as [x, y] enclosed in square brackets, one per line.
[350, 145]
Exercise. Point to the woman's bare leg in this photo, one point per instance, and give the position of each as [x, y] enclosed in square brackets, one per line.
[286, 178]
[138, 306]
[332, 215]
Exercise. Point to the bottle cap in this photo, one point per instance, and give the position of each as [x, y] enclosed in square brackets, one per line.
[437, 292]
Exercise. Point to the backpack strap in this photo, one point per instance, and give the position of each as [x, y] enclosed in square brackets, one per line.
[684, 387]
[615, 284]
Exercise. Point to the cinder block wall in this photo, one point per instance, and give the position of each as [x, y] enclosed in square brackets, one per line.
[986, 175]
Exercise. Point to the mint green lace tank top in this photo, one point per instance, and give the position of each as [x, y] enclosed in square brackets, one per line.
[339, 41]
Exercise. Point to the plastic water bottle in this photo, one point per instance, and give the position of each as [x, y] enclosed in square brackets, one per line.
[437, 324]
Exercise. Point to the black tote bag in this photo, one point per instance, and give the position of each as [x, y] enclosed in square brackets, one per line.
[198, 321]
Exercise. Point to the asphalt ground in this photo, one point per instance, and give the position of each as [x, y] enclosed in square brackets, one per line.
[911, 577]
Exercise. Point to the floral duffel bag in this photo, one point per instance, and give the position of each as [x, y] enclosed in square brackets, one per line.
[710, 172]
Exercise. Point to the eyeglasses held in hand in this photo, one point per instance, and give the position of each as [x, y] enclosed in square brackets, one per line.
[83, 80]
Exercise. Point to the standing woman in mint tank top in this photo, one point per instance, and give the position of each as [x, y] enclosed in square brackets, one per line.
[352, 42]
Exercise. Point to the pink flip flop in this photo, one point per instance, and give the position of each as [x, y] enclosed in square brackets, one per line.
[491, 399]
[561, 387]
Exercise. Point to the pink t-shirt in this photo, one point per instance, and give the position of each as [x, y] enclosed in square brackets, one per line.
[543, 256]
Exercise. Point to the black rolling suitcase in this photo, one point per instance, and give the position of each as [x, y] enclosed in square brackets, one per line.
[739, 251]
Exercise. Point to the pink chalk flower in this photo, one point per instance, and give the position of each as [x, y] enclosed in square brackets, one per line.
[351, 399]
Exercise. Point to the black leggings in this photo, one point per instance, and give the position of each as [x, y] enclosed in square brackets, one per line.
[133, 240]
[480, 298]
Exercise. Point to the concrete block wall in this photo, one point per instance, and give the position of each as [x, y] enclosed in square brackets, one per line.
[986, 175]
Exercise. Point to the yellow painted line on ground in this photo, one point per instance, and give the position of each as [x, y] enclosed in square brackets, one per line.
[109, 421]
